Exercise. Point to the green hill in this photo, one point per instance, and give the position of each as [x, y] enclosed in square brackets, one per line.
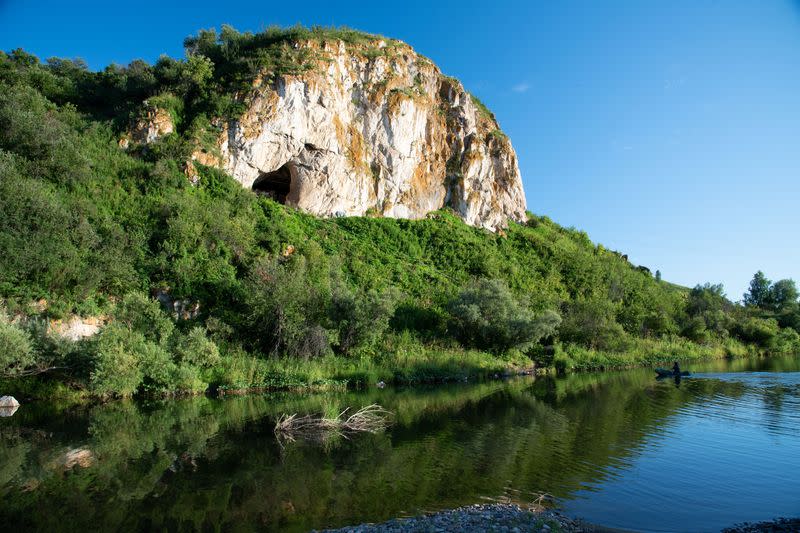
[270, 297]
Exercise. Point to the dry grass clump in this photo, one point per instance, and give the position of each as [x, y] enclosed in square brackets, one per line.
[370, 419]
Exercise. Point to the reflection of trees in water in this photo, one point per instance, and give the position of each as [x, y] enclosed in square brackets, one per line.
[201, 462]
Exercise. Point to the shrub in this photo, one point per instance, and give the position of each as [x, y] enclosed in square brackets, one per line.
[696, 331]
[758, 331]
[196, 349]
[288, 301]
[361, 318]
[186, 378]
[158, 369]
[486, 315]
[17, 356]
[787, 341]
[591, 323]
[117, 357]
[140, 313]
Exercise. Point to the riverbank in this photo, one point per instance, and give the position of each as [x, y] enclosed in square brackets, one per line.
[780, 525]
[511, 518]
[406, 365]
[500, 518]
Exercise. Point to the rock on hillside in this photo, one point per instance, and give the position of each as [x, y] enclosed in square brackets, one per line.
[370, 128]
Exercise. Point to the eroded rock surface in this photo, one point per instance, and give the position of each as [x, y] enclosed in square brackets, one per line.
[359, 129]
[155, 123]
[388, 134]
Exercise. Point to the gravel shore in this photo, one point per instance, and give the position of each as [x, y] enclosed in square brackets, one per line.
[511, 518]
[499, 518]
[781, 525]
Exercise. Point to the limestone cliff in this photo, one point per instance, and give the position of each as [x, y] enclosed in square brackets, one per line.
[371, 128]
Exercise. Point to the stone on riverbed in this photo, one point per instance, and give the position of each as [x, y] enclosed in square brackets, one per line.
[8, 401]
[77, 457]
[8, 406]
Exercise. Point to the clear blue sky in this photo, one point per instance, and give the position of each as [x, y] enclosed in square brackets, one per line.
[667, 130]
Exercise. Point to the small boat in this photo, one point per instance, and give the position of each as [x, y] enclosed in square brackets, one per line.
[668, 373]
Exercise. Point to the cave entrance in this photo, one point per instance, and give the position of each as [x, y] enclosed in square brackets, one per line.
[275, 184]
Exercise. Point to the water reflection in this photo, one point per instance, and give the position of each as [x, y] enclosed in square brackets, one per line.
[599, 443]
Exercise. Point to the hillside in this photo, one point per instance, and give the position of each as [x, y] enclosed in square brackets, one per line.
[198, 282]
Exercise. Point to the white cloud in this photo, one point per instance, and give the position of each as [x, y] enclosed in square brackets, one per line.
[521, 87]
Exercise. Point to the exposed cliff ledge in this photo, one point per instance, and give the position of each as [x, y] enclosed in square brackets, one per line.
[370, 127]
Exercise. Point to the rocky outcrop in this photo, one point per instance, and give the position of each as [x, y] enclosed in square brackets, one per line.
[180, 308]
[368, 128]
[154, 123]
[76, 328]
[366, 131]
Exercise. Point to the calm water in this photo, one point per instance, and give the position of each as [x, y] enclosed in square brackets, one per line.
[620, 449]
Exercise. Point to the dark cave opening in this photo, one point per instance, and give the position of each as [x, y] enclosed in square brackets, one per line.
[275, 184]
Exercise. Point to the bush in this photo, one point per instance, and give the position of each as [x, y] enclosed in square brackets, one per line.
[158, 369]
[591, 323]
[758, 331]
[486, 315]
[288, 301]
[17, 356]
[196, 349]
[186, 378]
[695, 330]
[361, 318]
[140, 313]
[117, 356]
[787, 341]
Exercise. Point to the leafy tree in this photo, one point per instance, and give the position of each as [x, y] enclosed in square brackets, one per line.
[758, 293]
[782, 295]
[706, 298]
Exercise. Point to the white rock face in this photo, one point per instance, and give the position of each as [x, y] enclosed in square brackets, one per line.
[387, 134]
[76, 328]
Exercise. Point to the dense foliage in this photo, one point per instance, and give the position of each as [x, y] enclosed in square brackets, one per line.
[285, 298]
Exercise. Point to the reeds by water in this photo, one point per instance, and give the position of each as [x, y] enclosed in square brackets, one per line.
[370, 419]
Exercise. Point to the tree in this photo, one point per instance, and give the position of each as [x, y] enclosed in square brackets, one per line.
[782, 294]
[706, 298]
[758, 294]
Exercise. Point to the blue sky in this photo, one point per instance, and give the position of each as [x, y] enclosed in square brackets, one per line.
[667, 130]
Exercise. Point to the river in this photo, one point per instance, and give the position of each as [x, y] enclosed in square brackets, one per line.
[619, 449]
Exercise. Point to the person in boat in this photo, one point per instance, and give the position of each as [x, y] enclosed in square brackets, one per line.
[676, 369]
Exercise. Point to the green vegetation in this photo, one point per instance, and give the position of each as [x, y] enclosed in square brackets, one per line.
[285, 299]
[482, 109]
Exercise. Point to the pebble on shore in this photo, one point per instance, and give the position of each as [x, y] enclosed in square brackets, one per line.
[781, 525]
[500, 518]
